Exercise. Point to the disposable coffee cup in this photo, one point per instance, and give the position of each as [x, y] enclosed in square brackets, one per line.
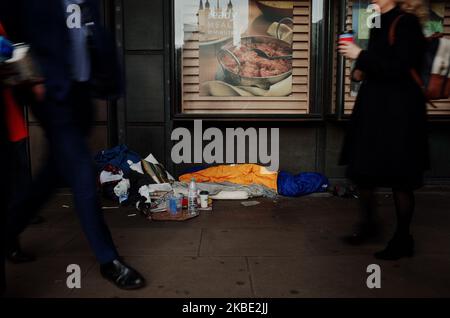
[346, 37]
[204, 195]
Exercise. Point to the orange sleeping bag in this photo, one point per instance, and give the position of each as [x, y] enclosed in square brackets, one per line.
[244, 174]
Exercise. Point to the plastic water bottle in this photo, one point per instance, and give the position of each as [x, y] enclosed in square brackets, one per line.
[192, 198]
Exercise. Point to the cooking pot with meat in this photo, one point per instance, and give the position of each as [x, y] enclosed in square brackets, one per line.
[259, 61]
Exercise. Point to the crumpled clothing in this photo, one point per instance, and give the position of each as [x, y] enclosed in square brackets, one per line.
[107, 189]
[110, 174]
[137, 180]
[137, 167]
[121, 190]
[118, 157]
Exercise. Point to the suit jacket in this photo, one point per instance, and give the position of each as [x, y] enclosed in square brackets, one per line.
[42, 24]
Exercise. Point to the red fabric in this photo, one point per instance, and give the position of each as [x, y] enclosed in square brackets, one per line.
[17, 127]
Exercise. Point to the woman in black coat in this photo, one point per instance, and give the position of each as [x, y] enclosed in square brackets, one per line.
[386, 144]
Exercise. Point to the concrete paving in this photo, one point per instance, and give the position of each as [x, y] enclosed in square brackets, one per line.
[283, 248]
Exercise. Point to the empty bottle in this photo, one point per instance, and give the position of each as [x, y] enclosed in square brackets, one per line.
[192, 198]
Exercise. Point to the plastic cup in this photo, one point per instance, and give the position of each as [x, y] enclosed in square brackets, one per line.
[173, 205]
[204, 199]
[346, 37]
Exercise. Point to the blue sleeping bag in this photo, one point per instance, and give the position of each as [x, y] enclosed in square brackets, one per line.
[290, 185]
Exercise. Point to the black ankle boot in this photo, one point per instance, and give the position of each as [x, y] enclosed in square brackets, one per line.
[16, 255]
[398, 247]
[122, 275]
[363, 233]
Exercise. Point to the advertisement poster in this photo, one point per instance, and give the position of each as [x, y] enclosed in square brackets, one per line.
[245, 48]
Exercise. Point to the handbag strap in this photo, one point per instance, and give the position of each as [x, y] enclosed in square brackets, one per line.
[393, 29]
[392, 38]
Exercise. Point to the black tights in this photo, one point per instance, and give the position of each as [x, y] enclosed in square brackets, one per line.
[404, 207]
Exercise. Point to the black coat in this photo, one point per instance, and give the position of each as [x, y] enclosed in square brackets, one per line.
[386, 143]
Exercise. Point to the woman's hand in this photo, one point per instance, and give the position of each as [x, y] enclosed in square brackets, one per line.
[349, 50]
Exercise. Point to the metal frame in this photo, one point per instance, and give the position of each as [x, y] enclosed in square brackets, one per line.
[170, 80]
[120, 107]
[112, 124]
[340, 75]
[317, 87]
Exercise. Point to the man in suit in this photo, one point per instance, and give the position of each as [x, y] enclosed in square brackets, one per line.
[62, 104]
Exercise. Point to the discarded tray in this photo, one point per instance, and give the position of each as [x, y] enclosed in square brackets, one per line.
[166, 216]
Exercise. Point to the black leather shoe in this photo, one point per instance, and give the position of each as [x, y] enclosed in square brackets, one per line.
[398, 247]
[16, 255]
[122, 275]
[363, 234]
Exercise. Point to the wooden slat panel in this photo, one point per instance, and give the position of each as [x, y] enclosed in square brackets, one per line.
[248, 111]
[300, 88]
[195, 71]
[260, 104]
[302, 97]
[301, 37]
[302, 46]
[297, 103]
[300, 62]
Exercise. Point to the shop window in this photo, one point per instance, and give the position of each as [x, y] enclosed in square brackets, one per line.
[221, 67]
[356, 13]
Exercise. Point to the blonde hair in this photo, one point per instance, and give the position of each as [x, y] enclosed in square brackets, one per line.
[416, 7]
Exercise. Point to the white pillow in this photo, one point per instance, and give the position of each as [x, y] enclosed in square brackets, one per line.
[231, 195]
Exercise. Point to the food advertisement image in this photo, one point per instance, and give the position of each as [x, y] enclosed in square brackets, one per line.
[245, 48]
